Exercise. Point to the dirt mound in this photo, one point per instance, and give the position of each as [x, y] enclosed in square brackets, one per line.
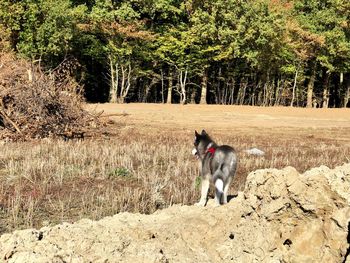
[282, 216]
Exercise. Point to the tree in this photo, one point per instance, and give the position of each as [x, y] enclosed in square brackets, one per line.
[123, 41]
[320, 26]
[41, 29]
[172, 49]
[261, 52]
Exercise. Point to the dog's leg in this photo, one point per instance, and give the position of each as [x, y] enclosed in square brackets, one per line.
[219, 190]
[204, 192]
[227, 185]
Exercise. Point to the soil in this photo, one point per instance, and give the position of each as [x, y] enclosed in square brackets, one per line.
[325, 124]
[225, 116]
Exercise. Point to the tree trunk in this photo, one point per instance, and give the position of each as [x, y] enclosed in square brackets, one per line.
[243, 94]
[325, 100]
[231, 86]
[278, 92]
[310, 87]
[162, 82]
[253, 94]
[347, 97]
[193, 96]
[271, 92]
[182, 80]
[170, 87]
[294, 86]
[266, 89]
[221, 95]
[265, 94]
[149, 87]
[347, 92]
[112, 88]
[204, 87]
[125, 83]
[341, 83]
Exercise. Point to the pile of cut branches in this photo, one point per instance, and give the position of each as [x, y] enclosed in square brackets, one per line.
[37, 105]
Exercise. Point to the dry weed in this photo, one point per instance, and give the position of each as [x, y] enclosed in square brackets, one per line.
[137, 171]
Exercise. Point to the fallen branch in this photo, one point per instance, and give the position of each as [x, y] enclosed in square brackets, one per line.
[7, 118]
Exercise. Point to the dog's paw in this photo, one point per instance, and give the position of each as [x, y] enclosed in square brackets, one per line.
[216, 204]
[212, 203]
[200, 203]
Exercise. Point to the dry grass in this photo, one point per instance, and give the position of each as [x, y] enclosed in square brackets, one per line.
[140, 170]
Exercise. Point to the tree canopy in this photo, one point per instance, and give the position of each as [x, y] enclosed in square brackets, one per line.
[254, 52]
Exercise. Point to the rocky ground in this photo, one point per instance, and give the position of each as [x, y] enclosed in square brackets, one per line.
[282, 216]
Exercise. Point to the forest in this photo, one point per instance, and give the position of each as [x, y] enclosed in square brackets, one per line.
[241, 52]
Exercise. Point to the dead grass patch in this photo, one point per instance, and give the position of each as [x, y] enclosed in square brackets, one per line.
[142, 169]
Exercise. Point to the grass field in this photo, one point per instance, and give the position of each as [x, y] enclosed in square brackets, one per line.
[146, 163]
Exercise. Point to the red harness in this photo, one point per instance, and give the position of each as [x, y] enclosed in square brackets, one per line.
[211, 150]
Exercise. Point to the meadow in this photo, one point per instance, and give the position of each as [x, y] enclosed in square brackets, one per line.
[144, 162]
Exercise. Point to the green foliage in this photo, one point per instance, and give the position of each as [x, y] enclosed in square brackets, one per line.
[254, 40]
[197, 182]
[327, 20]
[44, 29]
[119, 172]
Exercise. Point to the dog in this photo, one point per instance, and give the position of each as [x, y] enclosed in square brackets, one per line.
[218, 165]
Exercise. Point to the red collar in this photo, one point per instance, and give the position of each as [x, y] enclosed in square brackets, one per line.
[211, 150]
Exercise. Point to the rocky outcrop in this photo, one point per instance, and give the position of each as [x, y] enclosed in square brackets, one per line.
[282, 216]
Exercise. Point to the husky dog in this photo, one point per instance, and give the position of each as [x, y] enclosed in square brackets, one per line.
[218, 165]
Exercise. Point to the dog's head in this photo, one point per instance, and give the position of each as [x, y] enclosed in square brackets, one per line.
[201, 142]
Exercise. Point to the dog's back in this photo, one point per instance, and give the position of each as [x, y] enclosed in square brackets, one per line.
[224, 159]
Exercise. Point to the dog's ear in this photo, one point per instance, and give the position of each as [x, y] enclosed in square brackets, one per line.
[196, 133]
[204, 133]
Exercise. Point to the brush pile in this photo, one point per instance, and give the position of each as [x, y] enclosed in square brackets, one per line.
[35, 105]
